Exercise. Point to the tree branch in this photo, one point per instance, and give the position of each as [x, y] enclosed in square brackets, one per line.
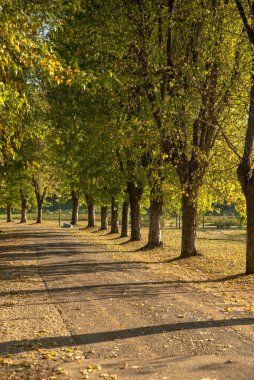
[243, 16]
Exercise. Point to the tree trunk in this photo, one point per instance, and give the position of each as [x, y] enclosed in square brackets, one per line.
[246, 178]
[91, 215]
[9, 214]
[114, 217]
[125, 221]
[244, 172]
[154, 236]
[40, 196]
[250, 231]
[104, 218]
[75, 208]
[39, 211]
[23, 211]
[189, 215]
[135, 193]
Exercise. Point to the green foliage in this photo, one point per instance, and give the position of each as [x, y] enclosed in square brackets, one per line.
[223, 221]
[95, 95]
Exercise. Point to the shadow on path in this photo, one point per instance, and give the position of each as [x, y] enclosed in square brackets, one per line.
[107, 336]
[134, 289]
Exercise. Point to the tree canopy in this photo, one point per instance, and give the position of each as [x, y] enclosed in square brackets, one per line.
[139, 101]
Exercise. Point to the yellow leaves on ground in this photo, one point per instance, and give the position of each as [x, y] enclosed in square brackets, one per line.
[62, 370]
[49, 355]
[106, 376]
[5, 361]
[90, 369]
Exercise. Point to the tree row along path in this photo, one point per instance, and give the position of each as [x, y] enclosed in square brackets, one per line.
[70, 310]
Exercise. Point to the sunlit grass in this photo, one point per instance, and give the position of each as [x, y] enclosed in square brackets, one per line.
[223, 251]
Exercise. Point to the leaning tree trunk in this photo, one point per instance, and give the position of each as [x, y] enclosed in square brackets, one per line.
[125, 221]
[189, 216]
[154, 235]
[244, 171]
[135, 193]
[114, 217]
[245, 175]
[104, 218]
[9, 214]
[91, 215]
[23, 211]
[75, 208]
[246, 178]
[250, 230]
[39, 211]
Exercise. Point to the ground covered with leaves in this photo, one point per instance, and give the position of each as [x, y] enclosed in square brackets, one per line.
[82, 303]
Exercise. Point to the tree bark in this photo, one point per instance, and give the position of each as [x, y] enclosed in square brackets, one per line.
[244, 171]
[23, 211]
[9, 213]
[250, 231]
[246, 178]
[154, 236]
[125, 219]
[91, 215]
[114, 217]
[104, 218]
[40, 196]
[39, 211]
[135, 194]
[189, 215]
[75, 208]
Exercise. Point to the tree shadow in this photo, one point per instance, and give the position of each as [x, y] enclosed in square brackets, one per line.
[15, 346]
[129, 241]
[33, 234]
[150, 247]
[117, 290]
[57, 270]
[221, 239]
[118, 238]
[175, 260]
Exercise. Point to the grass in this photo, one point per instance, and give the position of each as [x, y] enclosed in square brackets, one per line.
[223, 251]
[31, 216]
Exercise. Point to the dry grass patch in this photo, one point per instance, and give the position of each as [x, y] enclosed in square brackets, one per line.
[223, 252]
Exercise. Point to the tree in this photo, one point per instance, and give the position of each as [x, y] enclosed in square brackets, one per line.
[10, 195]
[169, 73]
[188, 80]
[125, 219]
[245, 169]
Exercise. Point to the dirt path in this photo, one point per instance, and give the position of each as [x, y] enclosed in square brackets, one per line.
[69, 310]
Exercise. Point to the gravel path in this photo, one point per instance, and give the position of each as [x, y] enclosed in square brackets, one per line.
[69, 310]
